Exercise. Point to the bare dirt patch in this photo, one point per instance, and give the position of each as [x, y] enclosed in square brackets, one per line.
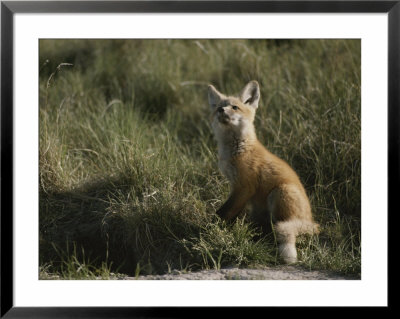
[269, 273]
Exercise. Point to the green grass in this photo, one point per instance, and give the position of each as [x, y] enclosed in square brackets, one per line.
[128, 166]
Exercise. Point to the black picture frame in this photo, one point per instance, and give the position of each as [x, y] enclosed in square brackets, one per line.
[9, 8]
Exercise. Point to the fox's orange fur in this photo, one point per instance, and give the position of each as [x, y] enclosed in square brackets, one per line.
[257, 177]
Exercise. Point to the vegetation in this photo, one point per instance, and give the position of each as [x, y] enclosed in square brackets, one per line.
[129, 180]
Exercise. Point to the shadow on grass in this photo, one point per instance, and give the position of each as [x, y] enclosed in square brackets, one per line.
[92, 220]
[78, 217]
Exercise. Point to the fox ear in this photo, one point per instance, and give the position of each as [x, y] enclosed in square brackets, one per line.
[251, 94]
[214, 97]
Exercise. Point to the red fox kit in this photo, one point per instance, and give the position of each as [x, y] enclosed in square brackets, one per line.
[257, 177]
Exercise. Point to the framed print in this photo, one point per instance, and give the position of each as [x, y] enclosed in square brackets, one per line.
[163, 155]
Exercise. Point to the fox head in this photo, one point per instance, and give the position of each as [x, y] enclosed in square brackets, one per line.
[230, 114]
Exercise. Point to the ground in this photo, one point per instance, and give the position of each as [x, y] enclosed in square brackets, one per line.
[266, 273]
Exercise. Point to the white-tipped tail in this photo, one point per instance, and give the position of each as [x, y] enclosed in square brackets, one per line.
[287, 251]
[286, 233]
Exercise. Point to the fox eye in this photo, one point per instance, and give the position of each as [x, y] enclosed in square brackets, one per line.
[235, 107]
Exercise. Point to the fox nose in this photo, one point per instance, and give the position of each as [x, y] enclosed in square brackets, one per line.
[220, 109]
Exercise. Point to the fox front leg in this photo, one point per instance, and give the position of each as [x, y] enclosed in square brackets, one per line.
[234, 205]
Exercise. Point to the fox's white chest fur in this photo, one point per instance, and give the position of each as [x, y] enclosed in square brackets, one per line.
[229, 147]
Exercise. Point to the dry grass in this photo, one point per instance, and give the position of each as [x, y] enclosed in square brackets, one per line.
[128, 168]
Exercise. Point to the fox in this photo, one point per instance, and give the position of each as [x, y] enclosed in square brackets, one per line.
[258, 178]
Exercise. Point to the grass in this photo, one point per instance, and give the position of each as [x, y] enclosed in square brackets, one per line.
[129, 179]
